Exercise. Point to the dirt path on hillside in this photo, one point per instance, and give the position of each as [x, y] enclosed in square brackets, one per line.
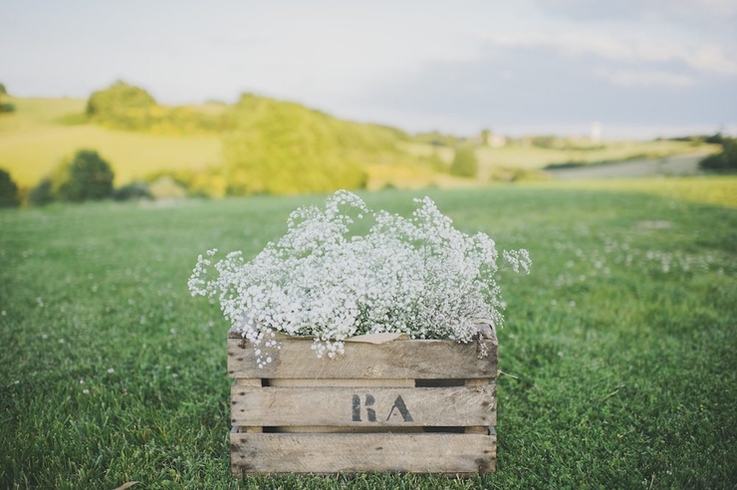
[675, 165]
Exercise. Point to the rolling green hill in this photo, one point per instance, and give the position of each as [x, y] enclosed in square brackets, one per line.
[263, 145]
[259, 145]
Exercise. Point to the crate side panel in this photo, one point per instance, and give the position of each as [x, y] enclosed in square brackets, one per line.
[403, 359]
[364, 407]
[356, 453]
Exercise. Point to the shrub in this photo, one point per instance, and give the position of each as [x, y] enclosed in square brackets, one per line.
[8, 191]
[465, 163]
[5, 106]
[85, 177]
[134, 190]
[723, 162]
[165, 187]
[41, 194]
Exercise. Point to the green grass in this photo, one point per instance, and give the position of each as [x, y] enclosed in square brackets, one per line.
[717, 190]
[618, 353]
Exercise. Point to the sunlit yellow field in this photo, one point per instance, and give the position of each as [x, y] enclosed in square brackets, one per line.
[32, 142]
[537, 158]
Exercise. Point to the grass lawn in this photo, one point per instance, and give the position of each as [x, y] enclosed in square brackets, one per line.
[618, 352]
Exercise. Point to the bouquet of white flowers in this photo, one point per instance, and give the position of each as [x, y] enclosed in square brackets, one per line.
[417, 276]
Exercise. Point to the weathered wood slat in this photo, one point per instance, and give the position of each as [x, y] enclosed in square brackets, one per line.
[421, 406]
[398, 359]
[355, 453]
[248, 381]
[368, 407]
[335, 382]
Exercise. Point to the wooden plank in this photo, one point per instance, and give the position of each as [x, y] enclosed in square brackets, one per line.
[336, 382]
[478, 382]
[459, 406]
[355, 453]
[248, 382]
[398, 359]
[323, 429]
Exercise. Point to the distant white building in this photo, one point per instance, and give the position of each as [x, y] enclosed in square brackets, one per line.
[493, 140]
[596, 132]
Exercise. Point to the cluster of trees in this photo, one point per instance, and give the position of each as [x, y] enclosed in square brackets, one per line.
[465, 163]
[726, 160]
[127, 107]
[86, 176]
[9, 196]
[285, 148]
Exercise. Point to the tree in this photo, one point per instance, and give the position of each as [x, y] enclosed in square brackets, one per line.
[724, 162]
[85, 177]
[8, 190]
[5, 106]
[41, 194]
[465, 163]
[285, 148]
[118, 102]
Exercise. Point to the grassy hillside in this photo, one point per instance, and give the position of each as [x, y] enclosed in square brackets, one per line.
[37, 136]
[271, 146]
[274, 139]
[617, 355]
[282, 147]
[533, 157]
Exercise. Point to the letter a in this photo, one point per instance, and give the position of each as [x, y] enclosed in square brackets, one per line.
[399, 405]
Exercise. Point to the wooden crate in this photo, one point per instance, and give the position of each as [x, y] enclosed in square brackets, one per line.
[417, 406]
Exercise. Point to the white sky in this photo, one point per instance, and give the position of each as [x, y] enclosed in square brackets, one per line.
[642, 68]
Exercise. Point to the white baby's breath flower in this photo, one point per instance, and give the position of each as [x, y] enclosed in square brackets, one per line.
[416, 275]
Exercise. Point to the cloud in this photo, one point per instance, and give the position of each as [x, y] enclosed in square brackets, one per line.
[645, 78]
[621, 48]
[686, 11]
[513, 88]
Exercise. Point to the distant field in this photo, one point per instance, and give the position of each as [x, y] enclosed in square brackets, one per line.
[531, 158]
[41, 132]
[618, 354]
[32, 142]
[537, 158]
